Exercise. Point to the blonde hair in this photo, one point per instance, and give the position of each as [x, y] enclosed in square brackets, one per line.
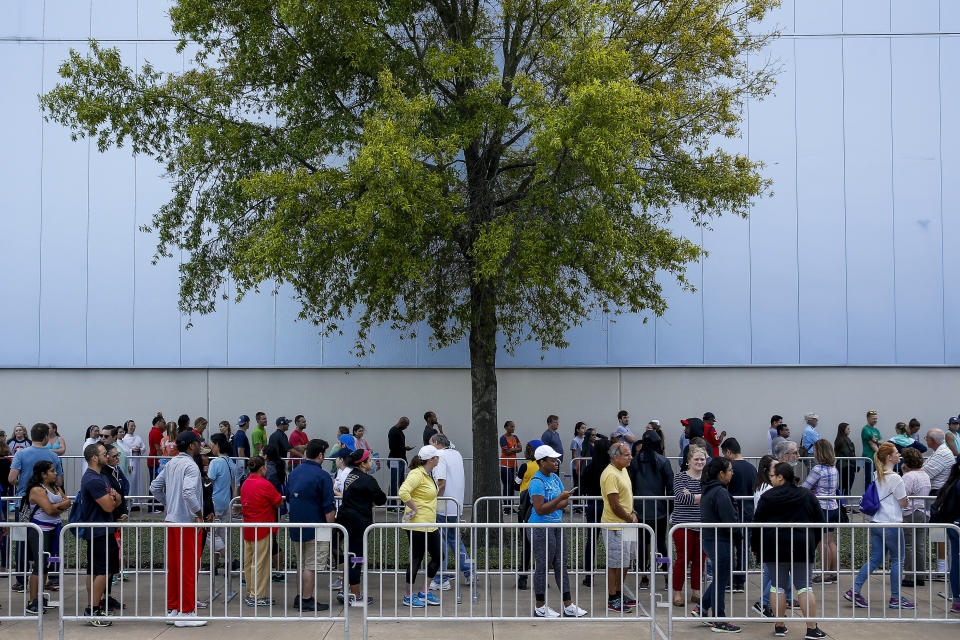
[172, 431]
[880, 459]
[901, 428]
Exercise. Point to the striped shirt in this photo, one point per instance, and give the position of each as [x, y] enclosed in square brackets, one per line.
[684, 508]
[823, 481]
[938, 466]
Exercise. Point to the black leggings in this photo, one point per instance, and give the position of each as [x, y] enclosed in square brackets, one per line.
[355, 547]
[424, 543]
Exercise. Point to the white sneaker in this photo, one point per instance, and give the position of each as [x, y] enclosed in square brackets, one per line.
[171, 615]
[439, 586]
[337, 583]
[629, 594]
[188, 620]
[546, 612]
[573, 611]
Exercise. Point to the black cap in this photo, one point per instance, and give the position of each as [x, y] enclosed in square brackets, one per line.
[281, 420]
[185, 439]
[709, 416]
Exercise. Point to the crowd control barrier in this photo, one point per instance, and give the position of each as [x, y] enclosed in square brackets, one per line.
[18, 569]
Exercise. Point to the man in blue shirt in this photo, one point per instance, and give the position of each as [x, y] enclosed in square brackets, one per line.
[310, 498]
[241, 443]
[98, 500]
[551, 437]
[810, 433]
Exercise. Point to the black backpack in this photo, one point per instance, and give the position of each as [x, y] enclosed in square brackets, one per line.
[946, 508]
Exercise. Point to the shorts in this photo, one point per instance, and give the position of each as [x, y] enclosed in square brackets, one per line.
[782, 572]
[34, 549]
[103, 556]
[620, 554]
[830, 515]
[313, 555]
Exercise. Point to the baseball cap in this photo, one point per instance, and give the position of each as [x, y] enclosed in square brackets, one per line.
[655, 421]
[185, 439]
[545, 451]
[281, 420]
[953, 420]
[347, 441]
[428, 451]
[709, 416]
[615, 434]
[242, 420]
[205, 450]
[536, 443]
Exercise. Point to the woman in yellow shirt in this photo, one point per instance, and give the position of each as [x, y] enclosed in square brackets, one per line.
[419, 493]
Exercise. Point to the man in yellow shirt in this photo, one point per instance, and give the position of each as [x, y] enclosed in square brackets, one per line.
[617, 492]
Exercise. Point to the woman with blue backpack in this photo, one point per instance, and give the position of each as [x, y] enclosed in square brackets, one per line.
[884, 501]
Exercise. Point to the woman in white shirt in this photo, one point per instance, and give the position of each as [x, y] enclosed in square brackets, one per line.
[893, 498]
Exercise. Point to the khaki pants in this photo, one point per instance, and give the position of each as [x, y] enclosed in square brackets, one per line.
[256, 566]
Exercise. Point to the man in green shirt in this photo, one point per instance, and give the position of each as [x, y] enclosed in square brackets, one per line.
[258, 437]
[870, 436]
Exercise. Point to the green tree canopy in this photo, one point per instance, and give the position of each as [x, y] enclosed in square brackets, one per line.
[477, 166]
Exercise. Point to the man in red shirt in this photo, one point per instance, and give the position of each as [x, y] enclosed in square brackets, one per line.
[155, 451]
[299, 436]
[710, 433]
[259, 502]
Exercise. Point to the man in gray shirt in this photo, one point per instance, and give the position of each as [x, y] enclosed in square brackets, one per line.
[178, 487]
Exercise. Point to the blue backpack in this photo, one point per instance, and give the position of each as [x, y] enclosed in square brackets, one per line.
[870, 502]
[78, 514]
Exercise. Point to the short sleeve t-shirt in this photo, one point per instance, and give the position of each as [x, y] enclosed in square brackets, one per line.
[279, 440]
[241, 441]
[508, 442]
[298, 438]
[259, 440]
[93, 486]
[25, 459]
[614, 480]
[450, 470]
[154, 439]
[890, 491]
[867, 434]
[397, 443]
[549, 487]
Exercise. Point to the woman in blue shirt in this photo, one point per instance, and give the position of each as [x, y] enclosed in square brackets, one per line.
[549, 546]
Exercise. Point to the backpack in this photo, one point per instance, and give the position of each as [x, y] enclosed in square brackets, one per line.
[78, 514]
[946, 508]
[870, 502]
[526, 506]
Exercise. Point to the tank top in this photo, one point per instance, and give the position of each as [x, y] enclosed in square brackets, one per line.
[53, 446]
[40, 517]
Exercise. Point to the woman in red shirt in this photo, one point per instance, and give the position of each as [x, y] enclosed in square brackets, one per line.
[259, 501]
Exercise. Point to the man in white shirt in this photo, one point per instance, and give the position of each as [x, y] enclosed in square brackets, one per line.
[451, 482]
[938, 467]
[136, 447]
[623, 427]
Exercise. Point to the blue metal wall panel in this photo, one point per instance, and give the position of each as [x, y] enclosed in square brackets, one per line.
[113, 19]
[251, 330]
[21, 72]
[679, 332]
[950, 193]
[773, 222]
[820, 203]
[632, 342]
[21, 19]
[298, 341]
[818, 16]
[866, 16]
[915, 16]
[457, 355]
[870, 281]
[63, 239]
[916, 200]
[588, 344]
[153, 19]
[726, 292]
[949, 16]
[66, 20]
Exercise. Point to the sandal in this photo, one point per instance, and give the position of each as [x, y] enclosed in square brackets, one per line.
[695, 598]
[677, 599]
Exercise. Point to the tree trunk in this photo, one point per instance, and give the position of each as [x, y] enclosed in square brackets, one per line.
[483, 382]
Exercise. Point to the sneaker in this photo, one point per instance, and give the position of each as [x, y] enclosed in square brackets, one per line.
[171, 615]
[18, 587]
[725, 627]
[357, 601]
[278, 577]
[814, 634]
[573, 611]
[308, 604]
[522, 583]
[258, 602]
[436, 585]
[52, 586]
[762, 609]
[906, 582]
[901, 603]
[617, 604]
[32, 607]
[413, 601]
[698, 613]
[943, 594]
[111, 604]
[629, 600]
[336, 583]
[586, 581]
[98, 621]
[188, 620]
[825, 578]
[429, 598]
[858, 600]
[340, 596]
[795, 604]
[737, 588]
[644, 584]
[955, 607]
[779, 630]
[545, 612]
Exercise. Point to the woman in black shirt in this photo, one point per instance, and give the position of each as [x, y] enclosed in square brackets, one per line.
[360, 494]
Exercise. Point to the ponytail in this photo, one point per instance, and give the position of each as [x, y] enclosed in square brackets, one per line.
[880, 457]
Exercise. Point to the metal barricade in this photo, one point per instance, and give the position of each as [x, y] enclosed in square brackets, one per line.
[168, 556]
[496, 560]
[16, 596]
[821, 595]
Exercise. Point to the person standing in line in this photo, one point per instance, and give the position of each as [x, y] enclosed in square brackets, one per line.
[241, 443]
[903, 440]
[298, 437]
[155, 445]
[760, 486]
[419, 493]
[913, 430]
[259, 501]
[226, 430]
[178, 488]
[19, 440]
[45, 503]
[590, 487]
[775, 421]
[169, 443]
[824, 480]
[358, 436]
[788, 553]
[937, 467]
[548, 499]
[135, 446]
[810, 434]
[258, 437]
[113, 472]
[451, 483]
[871, 439]
[431, 426]
[952, 435]
[56, 442]
[576, 453]
[651, 476]
[654, 425]
[783, 435]
[617, 492]
[710, 433]
[183, 423]
[916, 483]
[623, 428]
[397, 446]
[845, 452]
[280, 441]
[893, 498]
[360, 493]
[686, 509]
[716, 506]
[310, 497]
[524, 475]
[946, 509]
[98, 501]
[741, 488]
[692, 428]
[223, 475]
[551, 437]
[510, 446]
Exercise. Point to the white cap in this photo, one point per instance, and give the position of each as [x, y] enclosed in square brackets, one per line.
[545, 451]
[810, 416]
[656, 422]
[428, 451]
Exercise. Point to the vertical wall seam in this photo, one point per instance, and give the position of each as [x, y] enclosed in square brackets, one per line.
[796, 182]
[133, 302]
[703, 314]
[893, 200]
[43, 66]
[846, 248]
[749, 242]
[943, 268]
[86, 293]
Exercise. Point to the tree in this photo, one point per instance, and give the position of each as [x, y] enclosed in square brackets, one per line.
[478, 167]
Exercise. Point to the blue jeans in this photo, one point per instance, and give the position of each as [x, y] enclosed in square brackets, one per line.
[396, 479]
[767, 583]
[954, 561]
[452, 542]
[881, 539]
[715, 597]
